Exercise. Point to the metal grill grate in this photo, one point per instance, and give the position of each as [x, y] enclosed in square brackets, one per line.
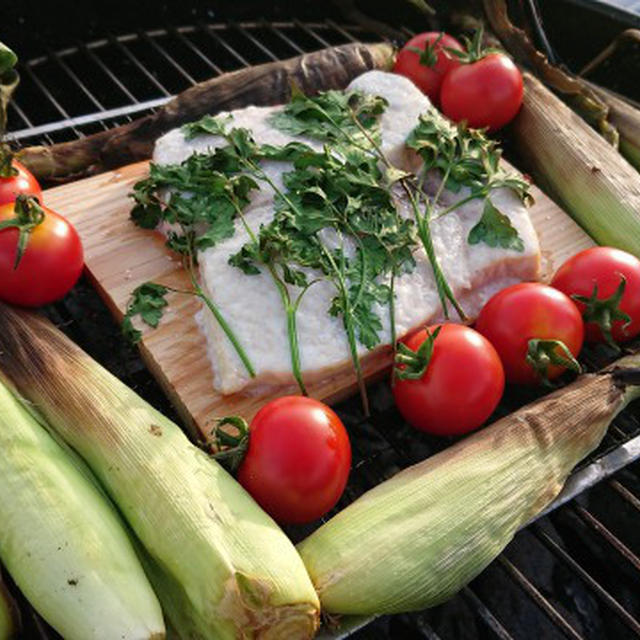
[575, 573]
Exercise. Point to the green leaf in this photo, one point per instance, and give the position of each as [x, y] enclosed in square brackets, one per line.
[495, 229]
[147, 301]
[207, 125]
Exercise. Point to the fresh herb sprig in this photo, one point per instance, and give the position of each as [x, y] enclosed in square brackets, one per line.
[204, 194]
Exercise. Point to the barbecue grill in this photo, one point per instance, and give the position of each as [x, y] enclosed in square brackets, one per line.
[575, 572]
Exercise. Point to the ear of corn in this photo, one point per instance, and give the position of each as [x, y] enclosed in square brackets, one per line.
[219, 561]
[63, 543]
[416, 539]
[626, 119]
[9, 615]
[576, 166]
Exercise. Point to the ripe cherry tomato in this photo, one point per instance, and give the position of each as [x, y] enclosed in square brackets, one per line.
[298, 459]
[601, 270]
[531, 311]
[425, 60]
[51, 263]
[461, 386]
[24, 182]
[485, 93]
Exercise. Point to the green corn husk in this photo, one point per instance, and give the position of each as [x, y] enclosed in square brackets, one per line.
[626, 119]
[9, 615]
[221, 567]
[63, 543]
[577, 167]
[415, 540]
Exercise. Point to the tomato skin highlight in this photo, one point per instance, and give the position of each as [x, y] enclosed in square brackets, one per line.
[428, 79]
[603, 266]
[50, 265]
[23, 183]
[461, 387]
[523, 312]
[298, 460]
[485, 93]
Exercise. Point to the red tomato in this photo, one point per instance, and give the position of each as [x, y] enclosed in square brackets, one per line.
[428, 69]
[298, 460]
[24, 182]
[50, 265]
[527, 311]
[485, 93]
[604, 268]
[461, 386]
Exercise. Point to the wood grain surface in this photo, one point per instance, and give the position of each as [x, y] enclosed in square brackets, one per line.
[120, 256]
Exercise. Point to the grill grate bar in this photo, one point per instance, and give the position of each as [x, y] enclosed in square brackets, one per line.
[600, 528]
[341, 31]
[272, 56]
[286, 39]
[543, 603]
[596, 587]
[168, 57]
[107, 71]
[221, 41]
[59, 108]
[311, 32]
[191, 45]
[83, 88]
[79, 121]
[485, 614]
[625, 494]
[145, 72]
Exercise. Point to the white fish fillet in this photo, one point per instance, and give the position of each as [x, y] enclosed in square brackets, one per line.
[252, 305]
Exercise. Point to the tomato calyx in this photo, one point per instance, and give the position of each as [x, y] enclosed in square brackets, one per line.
[230, 448]
[606, 311]
[541, 354]
[474, 50]
[412, 365]
[29, 214]
[7, 170]
[428, 57]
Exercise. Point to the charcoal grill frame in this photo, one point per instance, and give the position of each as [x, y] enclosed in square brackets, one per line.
[623, 445]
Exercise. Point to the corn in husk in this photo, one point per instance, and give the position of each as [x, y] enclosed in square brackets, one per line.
[576, 166]
[626, 119]
[221, 567]
[63, 542]
[415, 540]
[9, 615]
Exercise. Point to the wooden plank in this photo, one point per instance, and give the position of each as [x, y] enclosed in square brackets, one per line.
[120, 256]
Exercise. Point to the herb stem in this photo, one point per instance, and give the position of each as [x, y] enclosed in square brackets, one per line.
[227, 329]
[224, 325]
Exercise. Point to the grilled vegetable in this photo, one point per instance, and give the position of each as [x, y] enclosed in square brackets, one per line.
[594, 183]
[626, 119]
[265, 84]
[9, 615]
[221, 566]
[416, 539]
[62, 541]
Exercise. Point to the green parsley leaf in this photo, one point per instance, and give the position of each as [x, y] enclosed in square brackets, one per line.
[148, 301]
[495, 229]
[207, 125]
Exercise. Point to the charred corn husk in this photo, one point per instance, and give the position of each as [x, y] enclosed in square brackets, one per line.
[62, 541]
[591, 180]
[264, 84]
[9, 615]
[415, 540]
[221, 567]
